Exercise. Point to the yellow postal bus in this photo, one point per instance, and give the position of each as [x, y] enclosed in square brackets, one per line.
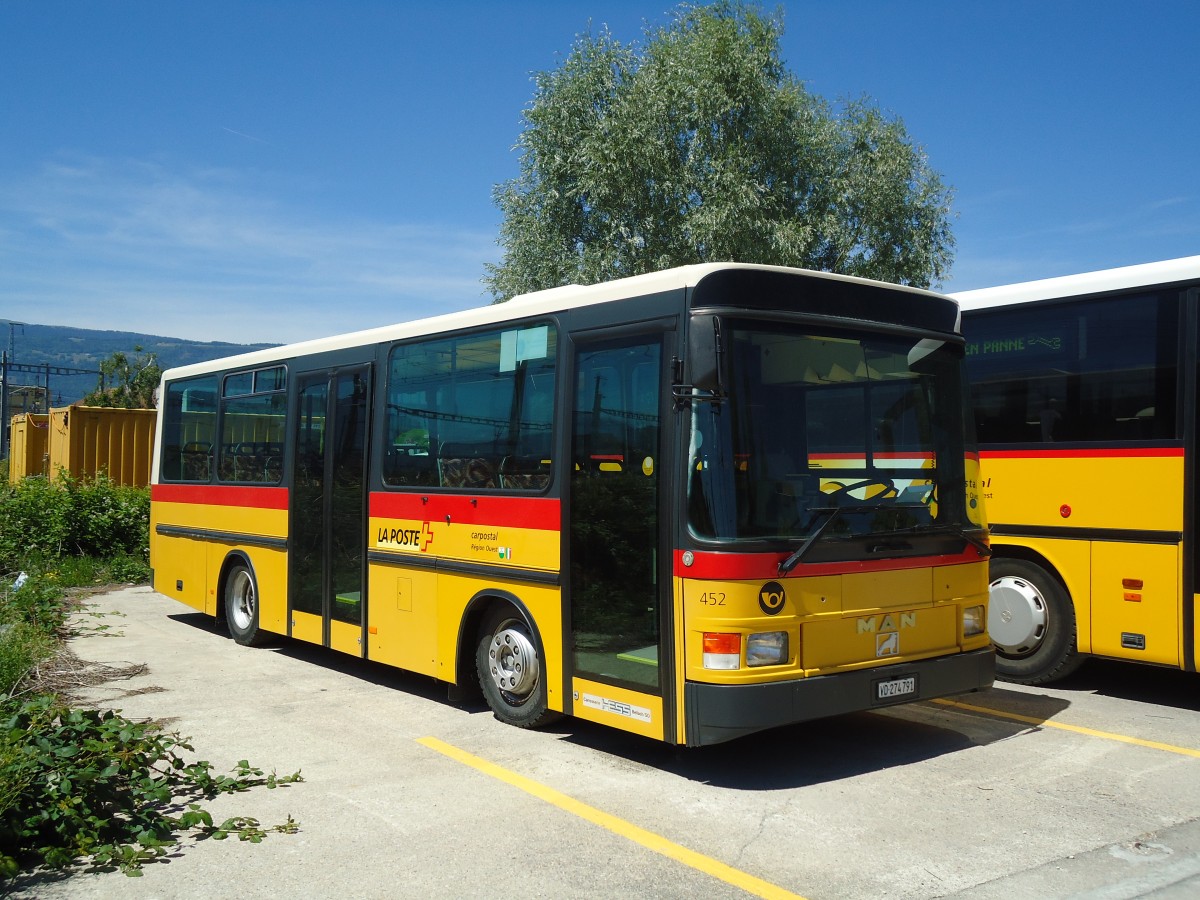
[690, 505]
[1084, 391]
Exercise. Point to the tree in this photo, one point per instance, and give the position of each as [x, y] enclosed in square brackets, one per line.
[699, 146]
[125, 382]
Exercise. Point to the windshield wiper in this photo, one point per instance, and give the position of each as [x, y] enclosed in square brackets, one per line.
[949, 528]
[982, 546]
[831, 513]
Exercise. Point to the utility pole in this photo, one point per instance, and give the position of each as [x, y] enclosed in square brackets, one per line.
[5, 386]
[4, 423]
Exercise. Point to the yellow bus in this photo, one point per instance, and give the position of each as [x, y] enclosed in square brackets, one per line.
[1084, 391]
[691, 505]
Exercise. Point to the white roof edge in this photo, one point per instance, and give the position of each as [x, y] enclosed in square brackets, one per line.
[1122, 278]
[545, 302]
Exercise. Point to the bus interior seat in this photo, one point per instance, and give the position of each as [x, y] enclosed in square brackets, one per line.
[401, 466]
[196, 461]
[460, 465]
[525, 473]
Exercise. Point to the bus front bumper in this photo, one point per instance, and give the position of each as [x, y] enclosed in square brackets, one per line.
[721, 712]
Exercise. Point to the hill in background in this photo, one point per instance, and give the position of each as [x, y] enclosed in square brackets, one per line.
[83, 348]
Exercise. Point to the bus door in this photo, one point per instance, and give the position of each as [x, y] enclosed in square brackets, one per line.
[328, 509]
[619, 587]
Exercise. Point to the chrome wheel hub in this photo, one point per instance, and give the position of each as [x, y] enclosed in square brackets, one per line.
[513, 662]
[1017, 616]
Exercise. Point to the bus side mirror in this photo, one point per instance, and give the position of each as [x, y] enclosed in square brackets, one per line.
[706, 355]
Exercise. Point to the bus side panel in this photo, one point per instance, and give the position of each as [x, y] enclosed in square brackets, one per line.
[607, 704]
[1135, 608]
[1079, 489]
[402, 618]
[188, 565]
[181, 569]
[544, 604]
[1074, 489]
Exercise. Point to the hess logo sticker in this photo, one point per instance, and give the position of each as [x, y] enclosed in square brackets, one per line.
[771, 597]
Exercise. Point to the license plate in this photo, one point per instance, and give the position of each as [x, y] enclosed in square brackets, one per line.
[895, 687]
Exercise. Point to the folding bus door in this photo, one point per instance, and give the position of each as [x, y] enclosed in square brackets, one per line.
[619, 593]
[328, 528]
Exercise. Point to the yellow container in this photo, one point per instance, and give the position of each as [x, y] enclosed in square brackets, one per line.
[27, 449]
[87, 439]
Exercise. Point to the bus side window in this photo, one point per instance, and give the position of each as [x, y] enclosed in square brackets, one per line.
[189, 425]
[482, 404]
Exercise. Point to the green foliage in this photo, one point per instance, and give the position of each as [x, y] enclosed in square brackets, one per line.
[127, 382]
[108, 518]
[699, 146]
[77, 783]
[43, 521]
[35, 518]
[90, 571]
[38, 603]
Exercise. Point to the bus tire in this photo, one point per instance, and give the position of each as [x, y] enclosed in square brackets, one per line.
[241, 607]
[1032, 623]
[510, 670]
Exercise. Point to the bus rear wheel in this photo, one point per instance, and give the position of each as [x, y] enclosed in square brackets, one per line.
[510, 670]
[1031, 622]
[241, 607]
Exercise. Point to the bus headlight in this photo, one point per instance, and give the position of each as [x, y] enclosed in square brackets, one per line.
[769, 648]
[974, 620]
[722, 651]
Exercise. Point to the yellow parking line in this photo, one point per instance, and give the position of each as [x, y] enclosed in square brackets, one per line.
[1091, 732]
[648, 839]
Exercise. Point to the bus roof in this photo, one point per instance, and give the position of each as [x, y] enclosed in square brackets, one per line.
[537, 303]
[1145, 275]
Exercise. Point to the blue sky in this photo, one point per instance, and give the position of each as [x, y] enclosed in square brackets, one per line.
[275, 171]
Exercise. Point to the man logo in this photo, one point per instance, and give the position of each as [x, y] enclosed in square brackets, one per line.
[771, 597]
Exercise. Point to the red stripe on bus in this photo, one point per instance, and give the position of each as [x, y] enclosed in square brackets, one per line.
[765, 566]
[1088, 453]
[253, 497]
[542, 513]
[916, 454]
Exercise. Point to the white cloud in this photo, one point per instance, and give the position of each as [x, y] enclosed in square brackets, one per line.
[210, 255]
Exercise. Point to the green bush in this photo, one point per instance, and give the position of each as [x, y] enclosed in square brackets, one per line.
[42, 521]
[107, 518]
[35, 518]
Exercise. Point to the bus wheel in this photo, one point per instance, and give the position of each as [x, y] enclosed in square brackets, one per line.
[241, 607]
[1031, 622]
[510, 671]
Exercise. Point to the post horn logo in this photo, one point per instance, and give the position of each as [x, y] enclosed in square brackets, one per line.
[771, 598]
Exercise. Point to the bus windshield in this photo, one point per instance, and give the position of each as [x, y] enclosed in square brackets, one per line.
[836, 433]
